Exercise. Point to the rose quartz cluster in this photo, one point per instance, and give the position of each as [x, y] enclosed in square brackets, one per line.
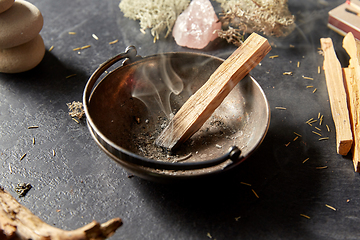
[195, 27]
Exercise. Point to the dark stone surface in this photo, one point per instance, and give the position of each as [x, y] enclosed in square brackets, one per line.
[84, 184]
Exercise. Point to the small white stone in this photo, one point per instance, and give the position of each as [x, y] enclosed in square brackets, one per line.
[197, 25]
[5, 5]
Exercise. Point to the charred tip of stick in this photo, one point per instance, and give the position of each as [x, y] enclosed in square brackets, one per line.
[165, 150]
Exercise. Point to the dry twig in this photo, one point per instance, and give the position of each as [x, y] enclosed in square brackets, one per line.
[18, 223]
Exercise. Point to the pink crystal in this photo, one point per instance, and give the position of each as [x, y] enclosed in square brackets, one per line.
[195, 27]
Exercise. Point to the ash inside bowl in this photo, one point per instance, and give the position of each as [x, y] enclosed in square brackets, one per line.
[210, 136]
[130, 125]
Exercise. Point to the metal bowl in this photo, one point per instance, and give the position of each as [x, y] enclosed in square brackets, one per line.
[127, 108]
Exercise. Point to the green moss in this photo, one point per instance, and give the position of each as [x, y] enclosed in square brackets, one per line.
[157, 15]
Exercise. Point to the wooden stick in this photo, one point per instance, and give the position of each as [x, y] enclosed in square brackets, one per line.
[352, 76]
[337, 97]
[17, 222]
[199, 107]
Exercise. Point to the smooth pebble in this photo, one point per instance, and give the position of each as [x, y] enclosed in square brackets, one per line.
[22, 58]
[19, 24]
[5, 5]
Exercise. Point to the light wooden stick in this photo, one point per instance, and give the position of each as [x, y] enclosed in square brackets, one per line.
[352, 78]
[337, 97]
[199, 107]
[17, 222]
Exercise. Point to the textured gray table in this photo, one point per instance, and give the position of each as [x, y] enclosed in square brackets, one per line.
[80, 183]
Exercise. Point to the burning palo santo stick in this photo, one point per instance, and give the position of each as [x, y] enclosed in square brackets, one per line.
[199, 107]
[17, 222]
[352, 76]
[337, 97]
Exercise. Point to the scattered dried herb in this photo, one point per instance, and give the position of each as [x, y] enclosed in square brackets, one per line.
[113, 42]
[247, 184]
[327, 127]
[319, 134]
[331, 207]
[256, 195]
[274, 56]
[324, 167]
[22, 189]
[81, 48]
[76, 109]
[309, 78]
[297, 134]
[305, 160]
[72, 75]
[287, 73]
[23, 156]
[75, 120]
[305, 216]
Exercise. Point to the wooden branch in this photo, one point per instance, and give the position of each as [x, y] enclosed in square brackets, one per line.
[351, 77]
[199, 107]
[17, 222]
[337, 97]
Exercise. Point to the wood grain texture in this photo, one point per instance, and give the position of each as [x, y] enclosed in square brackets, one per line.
[352, 77]
[337, 97]
[199, 107]
[17, 223]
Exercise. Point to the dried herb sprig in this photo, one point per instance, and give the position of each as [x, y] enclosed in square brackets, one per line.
[76, 109]
[22, 189]
[232, 35]
[271, 17]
